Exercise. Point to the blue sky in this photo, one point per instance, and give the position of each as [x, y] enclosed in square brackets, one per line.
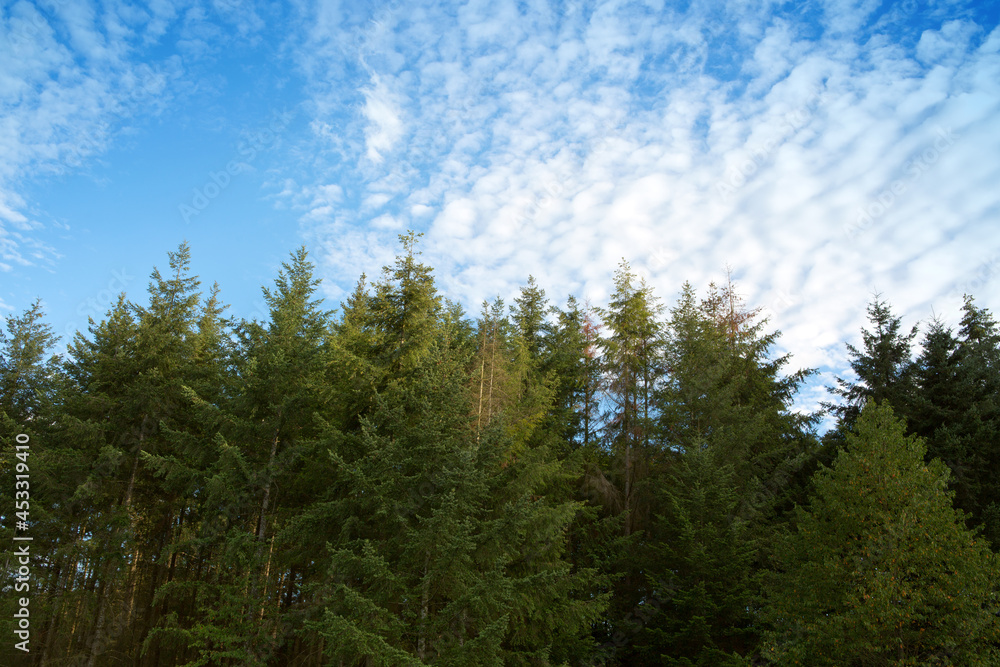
[822, 150]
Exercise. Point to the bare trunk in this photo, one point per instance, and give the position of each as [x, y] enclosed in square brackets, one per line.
[493, 359]
[482, 381]
[424, 603]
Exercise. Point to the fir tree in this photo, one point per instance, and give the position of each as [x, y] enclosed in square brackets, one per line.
[883, 367]
[880, 569]
[955, 408]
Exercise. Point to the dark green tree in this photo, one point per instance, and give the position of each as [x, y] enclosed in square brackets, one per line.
[883, 367]
[956, 409]
[529, 312]
[880, 569]
[443, 549]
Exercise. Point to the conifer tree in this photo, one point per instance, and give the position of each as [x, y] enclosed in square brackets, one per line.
[442, 548]
[955, 408]
[883, 367]
[732, 449]
[29, 373]
[880, 569]
[529, 311]
[699, 562]
[254, 475]
[573, 360]
[631, 358]
[31, 381]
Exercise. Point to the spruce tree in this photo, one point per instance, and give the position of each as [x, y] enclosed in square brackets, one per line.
[529, 311]
[699, 563]
[732, 450]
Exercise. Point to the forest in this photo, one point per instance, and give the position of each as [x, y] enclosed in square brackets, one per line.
[399, 483]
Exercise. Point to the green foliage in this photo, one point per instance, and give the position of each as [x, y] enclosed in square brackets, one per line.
[700, 563]
[401, 484]
[880, 569]
[883, 367]
[957, 410]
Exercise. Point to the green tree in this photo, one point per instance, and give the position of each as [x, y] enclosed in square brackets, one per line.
[956, 409]
[883, 367]
[699, 562]
[258, 468]
[880, 569]
[29, 373]
[731, 460]
[31, 381]
[443, 549]
[632, 369]
[528, 312]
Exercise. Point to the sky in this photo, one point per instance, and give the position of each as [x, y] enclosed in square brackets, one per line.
[822, 151]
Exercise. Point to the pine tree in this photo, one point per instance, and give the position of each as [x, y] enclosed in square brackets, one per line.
[528, 312]
[442, 548]
[574, 364]
[732, 450]
[29, 374]
[31, 380]
[254, 476]
[880, 569]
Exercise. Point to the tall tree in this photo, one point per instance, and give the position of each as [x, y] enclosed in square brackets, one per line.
[880, 569]
[443, 549]
[732, 453]
[529, 311]
[255, 476]
[956, 409]
[631, 356]
[31, 381]
[883, 366]
[29, 373]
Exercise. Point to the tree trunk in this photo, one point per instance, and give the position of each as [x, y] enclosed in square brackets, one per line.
[424, 603]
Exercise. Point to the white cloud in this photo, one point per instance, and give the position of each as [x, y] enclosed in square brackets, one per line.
[385, 127]
[67, 84]
[554, 146]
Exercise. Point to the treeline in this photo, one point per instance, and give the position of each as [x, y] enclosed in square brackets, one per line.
[400, 484]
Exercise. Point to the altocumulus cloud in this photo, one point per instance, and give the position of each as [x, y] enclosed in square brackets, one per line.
[820, 155]
[556, 139]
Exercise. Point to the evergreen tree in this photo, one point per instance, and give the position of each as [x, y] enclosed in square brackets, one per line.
[528, 312]
[732, 450]
[883, 367]
[700, 567]
[254, 474]
[29, 374]
[31, 382]
[631, 356]
[955, 408]
[442, 548]
[880, 569]
[574, 363]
